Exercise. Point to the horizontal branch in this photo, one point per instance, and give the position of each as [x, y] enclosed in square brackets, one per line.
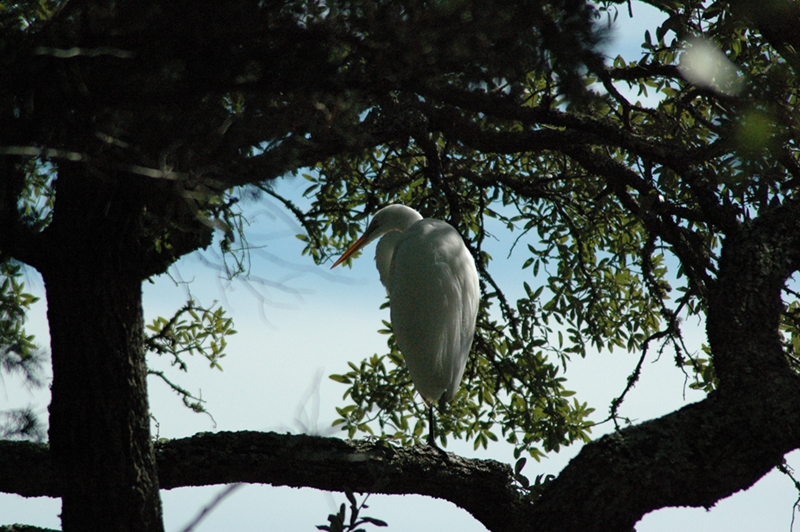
[636, 72]
[482, 487]
[692, 457]
[25, 469]
[574, 128]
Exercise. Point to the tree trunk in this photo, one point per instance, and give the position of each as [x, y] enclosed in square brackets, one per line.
[99, 420]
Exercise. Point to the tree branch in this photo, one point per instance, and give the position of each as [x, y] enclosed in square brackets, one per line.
[777, 21]
[482, 487]
[745, 304]
[692, 457]
[26, 469]
[709, 450]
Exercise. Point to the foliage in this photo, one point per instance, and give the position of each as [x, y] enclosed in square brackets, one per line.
[204, 334]
[191, 330]
[22, 424]
[19, 355]
[618, 206]
[501, 138]
[18, 352]
[618, 180]
[343, 96]
[339, 521]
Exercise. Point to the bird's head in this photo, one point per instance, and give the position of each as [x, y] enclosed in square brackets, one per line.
[391, 218]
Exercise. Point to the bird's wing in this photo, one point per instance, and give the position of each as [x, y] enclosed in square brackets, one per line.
[384, 253]
[434, 301]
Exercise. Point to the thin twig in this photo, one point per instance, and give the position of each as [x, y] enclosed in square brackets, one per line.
[212, 505]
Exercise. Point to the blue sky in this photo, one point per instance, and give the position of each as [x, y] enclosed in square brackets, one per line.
[305, 324]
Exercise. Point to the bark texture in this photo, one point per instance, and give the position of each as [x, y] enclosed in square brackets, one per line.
[482, 487]
[99, 418]
[712, 449]
[102, 240]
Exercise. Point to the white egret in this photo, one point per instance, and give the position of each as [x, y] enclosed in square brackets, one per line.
[433, 296]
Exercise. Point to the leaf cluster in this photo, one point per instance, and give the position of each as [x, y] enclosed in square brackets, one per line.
[619, 206]
[18, 352]
[22, 424]
[340, 522]
[192, 330]
[616, 180]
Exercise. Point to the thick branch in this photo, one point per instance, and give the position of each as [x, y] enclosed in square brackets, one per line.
[746, 304]
[636, 72]
[482, 487]
[26, 469]
[299, 152]
[709, 450]
[572, 134]
[693, 457]
[581, 129]
[777, 21]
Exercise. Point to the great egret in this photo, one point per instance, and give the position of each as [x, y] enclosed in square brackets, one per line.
[433, 296]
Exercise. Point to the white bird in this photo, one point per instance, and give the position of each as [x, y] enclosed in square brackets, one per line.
[433, 296]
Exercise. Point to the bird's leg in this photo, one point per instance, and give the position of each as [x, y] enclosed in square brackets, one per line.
[431, 425]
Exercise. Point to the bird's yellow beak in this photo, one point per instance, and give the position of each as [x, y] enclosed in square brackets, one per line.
[358, 244]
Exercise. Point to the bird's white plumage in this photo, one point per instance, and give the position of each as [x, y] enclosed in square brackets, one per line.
[433, 295]
[433, 289]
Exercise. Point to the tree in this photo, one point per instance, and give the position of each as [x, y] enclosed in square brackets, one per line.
[131, 130]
